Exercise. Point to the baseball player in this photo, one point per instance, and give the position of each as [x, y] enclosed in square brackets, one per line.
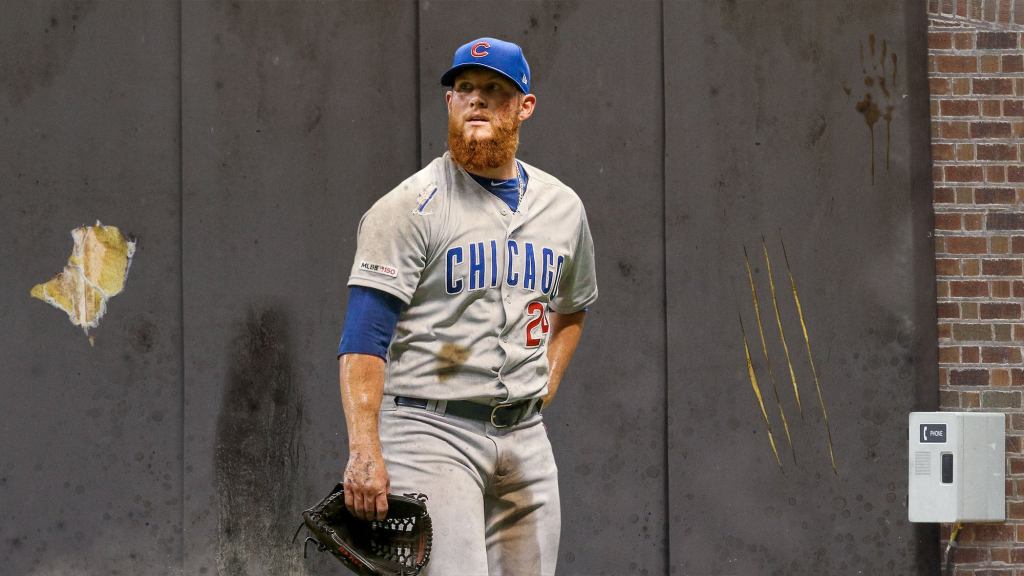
[467, 299]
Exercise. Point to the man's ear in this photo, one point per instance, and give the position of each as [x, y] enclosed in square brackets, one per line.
[527, 106]
[448, 100]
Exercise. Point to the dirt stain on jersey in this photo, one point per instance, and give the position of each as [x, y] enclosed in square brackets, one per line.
[450, 360]
[259, 455]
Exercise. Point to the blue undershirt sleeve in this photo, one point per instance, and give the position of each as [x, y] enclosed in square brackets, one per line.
[370, 322]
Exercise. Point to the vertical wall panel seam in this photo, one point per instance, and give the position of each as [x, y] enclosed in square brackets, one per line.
[419, 89]
[666, 522]
[181, 273]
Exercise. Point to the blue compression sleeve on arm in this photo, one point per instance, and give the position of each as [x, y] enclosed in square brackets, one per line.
[369, 322]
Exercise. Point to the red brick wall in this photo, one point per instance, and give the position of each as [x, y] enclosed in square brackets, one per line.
[976, 75]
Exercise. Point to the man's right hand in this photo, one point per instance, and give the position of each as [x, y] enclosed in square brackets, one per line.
[366, 483]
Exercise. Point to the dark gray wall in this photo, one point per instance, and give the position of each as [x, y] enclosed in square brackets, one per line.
[292, 129]
[207, 415]
[764, 138]
[90, 437]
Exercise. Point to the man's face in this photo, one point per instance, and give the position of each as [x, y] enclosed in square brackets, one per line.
[485, 110]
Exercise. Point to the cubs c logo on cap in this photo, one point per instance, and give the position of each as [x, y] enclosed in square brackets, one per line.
[476, 49]
[505, 58]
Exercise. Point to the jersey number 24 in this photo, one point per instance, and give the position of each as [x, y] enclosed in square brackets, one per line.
[538, 323]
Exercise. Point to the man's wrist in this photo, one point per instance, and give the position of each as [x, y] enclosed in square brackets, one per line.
[364, 445]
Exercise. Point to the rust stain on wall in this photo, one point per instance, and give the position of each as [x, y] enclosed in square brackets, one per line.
[874, 106]
[95, 273]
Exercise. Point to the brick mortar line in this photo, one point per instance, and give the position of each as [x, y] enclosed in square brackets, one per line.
[1005, 140]
[975, 342]
[984, 365]
[986, 299]
[975, 75]
[1000, 343]
[978, 343]
[943, 208]
[967, 299]
[938, 118]
[1005, 300]
[959, 343]
[958, 24]
[974, 52]
[975, 299]
[987, 163]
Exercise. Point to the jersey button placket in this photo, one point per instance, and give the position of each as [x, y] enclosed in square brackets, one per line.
[506, 293]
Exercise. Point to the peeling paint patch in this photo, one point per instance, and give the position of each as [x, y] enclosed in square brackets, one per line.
[95, 273]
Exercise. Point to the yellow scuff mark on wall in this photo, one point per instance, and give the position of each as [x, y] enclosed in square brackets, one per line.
[810, 357]
[94, 274]
[757, 393]
[778, 322]
[764, 351]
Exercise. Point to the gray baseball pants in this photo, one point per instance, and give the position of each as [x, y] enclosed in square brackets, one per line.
[492, 493]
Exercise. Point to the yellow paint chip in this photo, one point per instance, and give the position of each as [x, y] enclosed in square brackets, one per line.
[95, 273]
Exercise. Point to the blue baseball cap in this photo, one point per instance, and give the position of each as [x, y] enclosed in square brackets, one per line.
[503, 57]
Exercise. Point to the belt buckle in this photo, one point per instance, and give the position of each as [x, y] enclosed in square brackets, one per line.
[494, 412]
[522, 407]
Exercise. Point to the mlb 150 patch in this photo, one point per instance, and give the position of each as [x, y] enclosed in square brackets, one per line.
[379, 269]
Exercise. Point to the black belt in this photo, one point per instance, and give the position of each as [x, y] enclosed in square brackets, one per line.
[500, 416]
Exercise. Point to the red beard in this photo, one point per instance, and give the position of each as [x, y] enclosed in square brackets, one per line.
[479, 154]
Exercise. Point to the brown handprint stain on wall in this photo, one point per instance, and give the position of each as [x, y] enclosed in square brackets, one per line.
[873, 106]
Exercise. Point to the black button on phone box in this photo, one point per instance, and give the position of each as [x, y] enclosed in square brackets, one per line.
[947, 468]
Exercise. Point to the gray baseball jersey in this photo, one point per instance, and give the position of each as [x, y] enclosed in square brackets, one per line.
[477, 280]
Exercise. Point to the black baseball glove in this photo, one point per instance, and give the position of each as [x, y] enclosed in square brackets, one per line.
[399, 545]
